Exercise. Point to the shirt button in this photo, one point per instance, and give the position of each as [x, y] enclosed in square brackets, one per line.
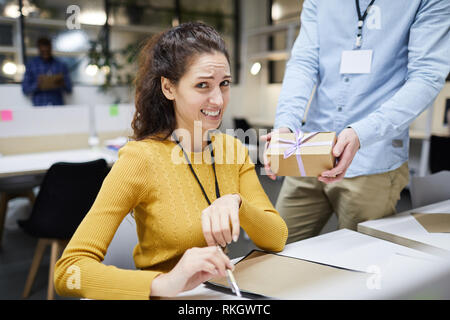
[340, 109]
[346, 79]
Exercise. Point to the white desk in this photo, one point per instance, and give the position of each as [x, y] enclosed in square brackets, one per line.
[404, 229]
[395, 272]
[34, 163]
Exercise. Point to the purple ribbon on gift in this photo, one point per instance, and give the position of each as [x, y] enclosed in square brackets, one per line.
[299, 142]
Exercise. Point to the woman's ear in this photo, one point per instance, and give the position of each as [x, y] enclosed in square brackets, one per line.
[167, 88]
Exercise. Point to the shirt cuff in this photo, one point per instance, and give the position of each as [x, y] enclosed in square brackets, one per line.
[286, 124]
[366, 130]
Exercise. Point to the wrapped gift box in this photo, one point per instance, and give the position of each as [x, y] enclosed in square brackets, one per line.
[301, 154]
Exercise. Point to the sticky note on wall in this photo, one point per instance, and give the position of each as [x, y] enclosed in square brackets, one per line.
[6, 115]
[114, 110]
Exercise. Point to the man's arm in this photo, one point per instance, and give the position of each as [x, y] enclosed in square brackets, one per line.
[30, 80]
[301, 72]
[428, 66]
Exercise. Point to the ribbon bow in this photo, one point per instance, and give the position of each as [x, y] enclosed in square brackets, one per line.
[299, 142]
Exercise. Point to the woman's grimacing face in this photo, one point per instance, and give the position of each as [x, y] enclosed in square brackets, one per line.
[202, 93]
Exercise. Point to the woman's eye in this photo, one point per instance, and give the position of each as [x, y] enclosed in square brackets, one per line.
[225, 83]
[202, 85]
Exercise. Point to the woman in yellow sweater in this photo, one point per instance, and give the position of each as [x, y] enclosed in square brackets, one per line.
[187, 195]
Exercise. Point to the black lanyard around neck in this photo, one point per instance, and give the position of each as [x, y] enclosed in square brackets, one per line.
[195, 175]
[361, 19]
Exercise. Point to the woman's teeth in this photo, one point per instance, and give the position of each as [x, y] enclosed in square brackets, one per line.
[210, 113]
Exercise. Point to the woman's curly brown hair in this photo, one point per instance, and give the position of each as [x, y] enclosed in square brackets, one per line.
[168, 55]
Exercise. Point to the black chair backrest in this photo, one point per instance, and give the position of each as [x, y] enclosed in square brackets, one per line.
[245, 136]
[241, 123]
[439, 153]
[66, 195]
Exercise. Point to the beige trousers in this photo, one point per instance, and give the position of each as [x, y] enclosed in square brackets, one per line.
[306, 204]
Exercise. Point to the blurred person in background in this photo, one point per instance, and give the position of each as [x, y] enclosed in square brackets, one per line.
[46, 78]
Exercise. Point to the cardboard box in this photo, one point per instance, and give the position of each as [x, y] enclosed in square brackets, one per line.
[314, 153]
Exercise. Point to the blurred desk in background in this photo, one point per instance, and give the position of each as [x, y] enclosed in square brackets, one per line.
[40, 162]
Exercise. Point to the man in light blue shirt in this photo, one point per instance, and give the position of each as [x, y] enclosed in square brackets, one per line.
[406, 46]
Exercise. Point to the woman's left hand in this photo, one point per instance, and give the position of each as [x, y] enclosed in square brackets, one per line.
[216, 220]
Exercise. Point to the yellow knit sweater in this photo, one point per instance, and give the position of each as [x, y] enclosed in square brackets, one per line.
[167, 203]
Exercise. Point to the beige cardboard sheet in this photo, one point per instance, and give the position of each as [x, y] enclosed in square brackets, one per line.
[433, 222]
[276, 276]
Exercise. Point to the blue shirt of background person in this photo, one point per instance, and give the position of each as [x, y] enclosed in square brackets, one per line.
[43, 89]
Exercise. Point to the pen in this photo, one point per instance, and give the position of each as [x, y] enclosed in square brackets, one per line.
[232, 281]
[233, 284]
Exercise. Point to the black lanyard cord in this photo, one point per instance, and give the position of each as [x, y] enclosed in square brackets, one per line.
[195, 175]
[361, 19]
[358, 10]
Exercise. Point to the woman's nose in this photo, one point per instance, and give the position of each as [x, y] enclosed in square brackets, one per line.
[216, 98]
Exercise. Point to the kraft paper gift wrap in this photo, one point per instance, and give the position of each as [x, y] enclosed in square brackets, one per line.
[268, 275]
[301, 154]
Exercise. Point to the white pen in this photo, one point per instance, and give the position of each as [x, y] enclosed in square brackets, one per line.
[232, 281]
[233, 284]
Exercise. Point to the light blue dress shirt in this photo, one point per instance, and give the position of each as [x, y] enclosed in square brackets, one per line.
[411, 58]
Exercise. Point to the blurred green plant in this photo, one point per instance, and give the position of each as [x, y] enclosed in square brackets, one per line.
[111, 63]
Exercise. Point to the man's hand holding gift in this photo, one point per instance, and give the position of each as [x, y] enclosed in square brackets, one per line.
[347, 144]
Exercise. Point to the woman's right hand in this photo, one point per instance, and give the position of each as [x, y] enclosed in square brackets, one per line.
[267, 139]
[196, 266]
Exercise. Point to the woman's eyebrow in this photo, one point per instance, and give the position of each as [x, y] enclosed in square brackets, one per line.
[211, 77]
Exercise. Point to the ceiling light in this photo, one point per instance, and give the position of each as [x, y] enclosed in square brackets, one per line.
[277, 11]
[70, 41]
[93, 17]
[256, 67]
[91, 70]
[9, 68]
[12, 11]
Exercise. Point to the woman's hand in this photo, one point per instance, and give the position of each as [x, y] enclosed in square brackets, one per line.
[216, 220]
[196, 266]
[267, 139]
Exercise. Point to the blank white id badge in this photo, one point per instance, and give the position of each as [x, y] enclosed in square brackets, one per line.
[356, 61]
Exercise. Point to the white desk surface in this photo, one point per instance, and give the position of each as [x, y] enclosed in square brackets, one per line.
[394, 271]
[403, 228]
[33, 163]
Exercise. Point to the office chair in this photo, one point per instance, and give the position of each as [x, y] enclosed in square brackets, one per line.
[16, 187]
[430, 189]
[241, 123]
[66, 195]
[439, 153]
